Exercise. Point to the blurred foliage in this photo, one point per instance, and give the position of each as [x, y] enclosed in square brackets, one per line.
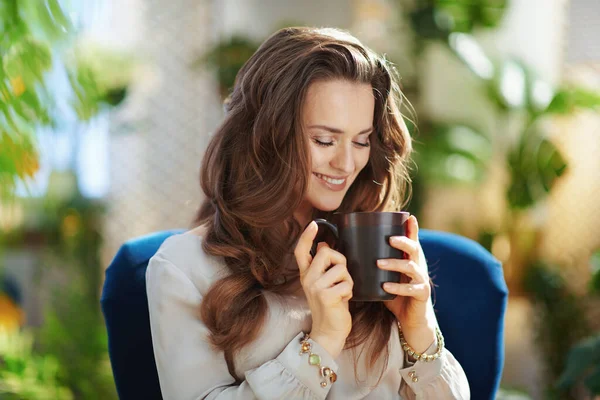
[459, 154]
[37, 38]
[533, 161]
[70, 358]
[226, 57]
[25, 58]
[99, 77]
[559, 321]
[67, 237]
[73, 335]
[583, 360]
[436, 19]
[447, 153]
[25, 374]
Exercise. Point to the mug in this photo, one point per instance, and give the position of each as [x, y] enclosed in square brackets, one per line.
[363, 238]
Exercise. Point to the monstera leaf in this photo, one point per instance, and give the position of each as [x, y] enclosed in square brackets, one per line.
[534, 164]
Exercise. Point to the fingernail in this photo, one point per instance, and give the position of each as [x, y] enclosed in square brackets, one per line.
[381, 263]
[396, 239]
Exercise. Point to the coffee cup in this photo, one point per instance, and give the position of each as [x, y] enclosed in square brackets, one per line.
[363, 238]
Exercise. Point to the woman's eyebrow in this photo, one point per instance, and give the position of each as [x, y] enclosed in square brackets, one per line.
[338, 131]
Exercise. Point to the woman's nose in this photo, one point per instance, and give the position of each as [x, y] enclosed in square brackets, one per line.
[343, 160]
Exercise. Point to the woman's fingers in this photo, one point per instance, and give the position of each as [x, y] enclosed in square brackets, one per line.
[409, 243]
[334, 275]
[324, 259]
[409, 246]
[407, 267]
[412, 228]
[419, 291]
[340, 292]
[302, 250]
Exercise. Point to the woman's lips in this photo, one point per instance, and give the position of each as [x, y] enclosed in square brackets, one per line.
[335, 184]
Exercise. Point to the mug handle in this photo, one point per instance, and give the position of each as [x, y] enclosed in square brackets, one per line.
[324, 225]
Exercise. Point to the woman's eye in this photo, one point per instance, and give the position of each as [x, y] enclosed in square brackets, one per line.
[367, 144]
[324, 144]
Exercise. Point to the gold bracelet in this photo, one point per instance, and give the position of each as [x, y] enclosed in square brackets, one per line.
[422, 356]
[314, 359]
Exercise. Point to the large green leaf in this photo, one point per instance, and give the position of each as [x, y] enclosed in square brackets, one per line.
[567, 100]
[534, 166]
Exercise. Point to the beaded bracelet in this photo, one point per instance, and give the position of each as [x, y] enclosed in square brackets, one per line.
[422, 356]
[314, 359]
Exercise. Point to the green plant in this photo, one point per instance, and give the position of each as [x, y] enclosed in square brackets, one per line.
[583, 363]
[26, 29]
[456, 152]
[559, 321]
[583, 360]
[226, 57]
[37, 37]
[26, 375]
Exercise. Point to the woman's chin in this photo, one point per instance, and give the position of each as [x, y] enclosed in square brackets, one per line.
[327, 207]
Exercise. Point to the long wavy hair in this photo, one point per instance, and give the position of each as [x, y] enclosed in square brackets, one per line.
[256, 170]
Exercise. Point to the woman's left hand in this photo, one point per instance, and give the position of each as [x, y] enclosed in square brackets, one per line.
[412, 307]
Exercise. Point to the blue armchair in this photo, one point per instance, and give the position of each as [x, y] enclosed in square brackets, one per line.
[470, 296]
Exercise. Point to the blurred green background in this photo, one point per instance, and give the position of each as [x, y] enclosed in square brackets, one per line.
[106, 108]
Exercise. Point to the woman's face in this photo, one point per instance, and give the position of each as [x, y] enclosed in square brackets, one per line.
[338, 118]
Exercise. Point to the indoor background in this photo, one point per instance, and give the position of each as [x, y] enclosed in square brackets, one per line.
[106, 107]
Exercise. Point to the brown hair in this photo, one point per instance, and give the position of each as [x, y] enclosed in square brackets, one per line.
[255, 173]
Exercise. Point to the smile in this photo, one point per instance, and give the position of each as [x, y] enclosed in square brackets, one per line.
[331, 180]
[335, 184]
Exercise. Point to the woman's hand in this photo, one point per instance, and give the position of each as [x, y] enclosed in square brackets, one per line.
[412, 307]
[328, 288]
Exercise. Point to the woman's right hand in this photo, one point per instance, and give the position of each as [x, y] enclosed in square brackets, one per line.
[328, 288]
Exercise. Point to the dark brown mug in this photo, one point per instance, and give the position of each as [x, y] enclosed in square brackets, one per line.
[363, 238]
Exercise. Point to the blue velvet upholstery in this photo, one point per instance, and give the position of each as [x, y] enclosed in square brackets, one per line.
[470, 296]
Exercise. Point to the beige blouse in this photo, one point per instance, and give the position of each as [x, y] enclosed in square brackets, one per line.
[271, 367]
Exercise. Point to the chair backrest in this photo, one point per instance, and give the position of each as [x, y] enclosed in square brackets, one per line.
[470, 302]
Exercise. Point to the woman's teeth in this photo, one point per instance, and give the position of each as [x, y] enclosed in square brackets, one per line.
[331, 180]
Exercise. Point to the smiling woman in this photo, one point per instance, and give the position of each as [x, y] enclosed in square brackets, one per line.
[312, 127]
[338, 115]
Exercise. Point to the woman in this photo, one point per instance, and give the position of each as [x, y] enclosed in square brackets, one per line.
[238, 307]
